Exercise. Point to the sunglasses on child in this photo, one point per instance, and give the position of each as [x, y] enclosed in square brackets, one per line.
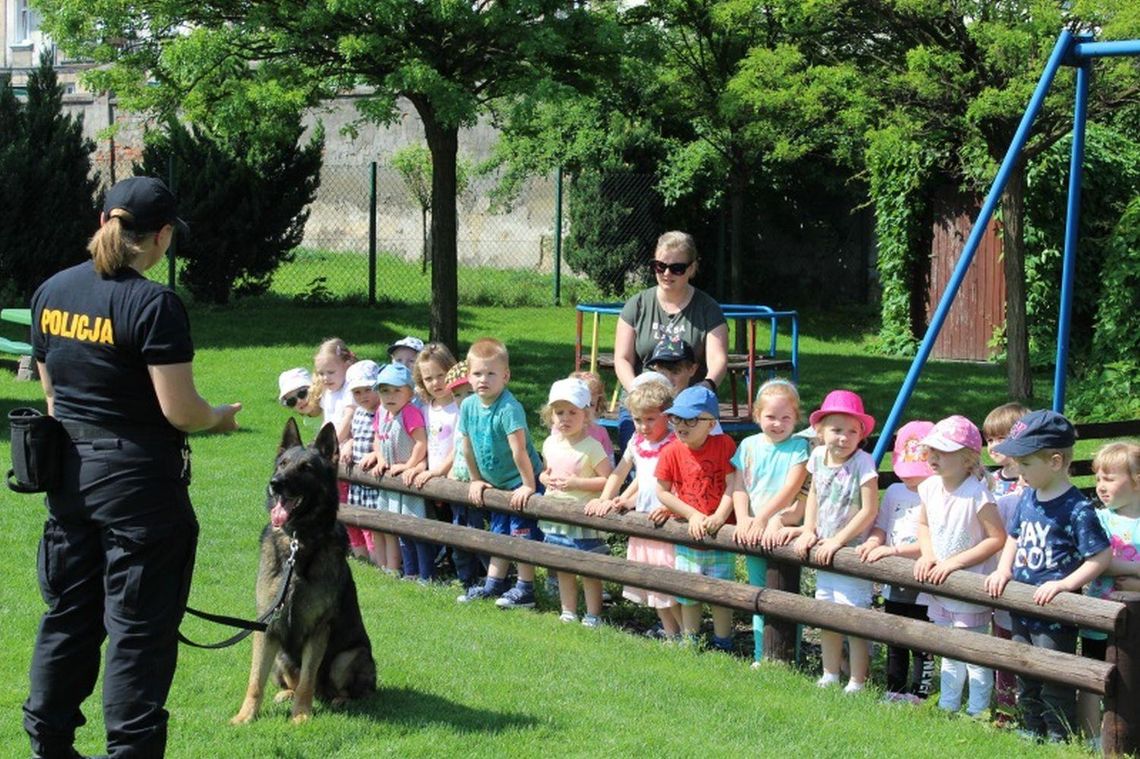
[296, 398]
[675, 269]
[689, 423]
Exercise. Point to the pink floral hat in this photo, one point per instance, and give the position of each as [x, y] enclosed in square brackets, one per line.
[844, 402]
[909, 458]
[953, 434]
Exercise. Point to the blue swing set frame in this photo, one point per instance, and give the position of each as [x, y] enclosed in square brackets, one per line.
[1069, 50]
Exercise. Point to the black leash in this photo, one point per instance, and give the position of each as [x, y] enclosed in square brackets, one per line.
[258, 625]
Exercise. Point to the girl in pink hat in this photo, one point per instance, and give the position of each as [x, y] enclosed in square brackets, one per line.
[896, 534]
[841, 506]
[958, 529]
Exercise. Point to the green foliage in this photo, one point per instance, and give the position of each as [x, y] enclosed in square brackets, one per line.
[48, 213]
[1110, 181]
[1105, 392]
[615, 224]
[246, 208]
[1117, 335]
[899, 169]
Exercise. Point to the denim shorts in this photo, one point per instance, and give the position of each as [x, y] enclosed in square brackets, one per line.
[593, 545]
[515, 525]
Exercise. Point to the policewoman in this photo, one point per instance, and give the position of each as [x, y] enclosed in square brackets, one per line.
[115, 359]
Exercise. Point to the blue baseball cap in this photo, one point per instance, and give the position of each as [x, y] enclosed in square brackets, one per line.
[1037, 430]
[396, 375]
[694, 401]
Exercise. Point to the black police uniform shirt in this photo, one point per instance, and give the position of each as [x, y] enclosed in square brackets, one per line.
[97, 336]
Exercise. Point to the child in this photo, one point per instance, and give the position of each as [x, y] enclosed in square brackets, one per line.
[576, 467]
[1006, 484]
[995, 428]
[401, 450]
[1055, 542]
[695, 479]
[840, 509]
[331, 399]
[470, 568]
[958, 529]
[1117, 469]
[597, 408]
[896, 534]
[293, 390]
[674, 358]
[360, 380]
[405, 350]
[499, 454]
[772, 467]
[429, 372]
[648, 403]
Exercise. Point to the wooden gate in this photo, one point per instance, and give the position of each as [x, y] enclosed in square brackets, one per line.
[979, 308]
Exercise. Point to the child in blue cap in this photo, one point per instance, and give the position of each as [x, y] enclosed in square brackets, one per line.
[1055, 542]
[695, 480]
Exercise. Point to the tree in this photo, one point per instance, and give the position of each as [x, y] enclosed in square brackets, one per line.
[414, 165]
[246, 208]
[452, 60]
[961, 86]
[48, 211]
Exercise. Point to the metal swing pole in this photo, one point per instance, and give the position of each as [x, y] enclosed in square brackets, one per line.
[1020, 137]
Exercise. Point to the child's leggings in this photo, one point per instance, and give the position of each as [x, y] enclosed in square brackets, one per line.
[419, 558]
[954, 676]
[758, 576]
[901, 676]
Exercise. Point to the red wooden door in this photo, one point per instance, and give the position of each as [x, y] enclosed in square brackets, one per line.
[979, 308]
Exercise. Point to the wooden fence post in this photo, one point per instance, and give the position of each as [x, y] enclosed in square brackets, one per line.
[1120, 729]
[781, 638]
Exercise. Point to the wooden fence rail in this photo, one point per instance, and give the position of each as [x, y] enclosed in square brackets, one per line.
[1117, 679]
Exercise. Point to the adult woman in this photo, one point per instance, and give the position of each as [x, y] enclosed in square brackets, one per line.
[117, 553]
[674, 309]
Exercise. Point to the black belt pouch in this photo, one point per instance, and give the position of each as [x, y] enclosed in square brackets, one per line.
[37, 451]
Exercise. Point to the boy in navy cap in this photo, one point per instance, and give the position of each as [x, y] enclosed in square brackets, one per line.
[1056, 543]
[695, 481]
[674, 358]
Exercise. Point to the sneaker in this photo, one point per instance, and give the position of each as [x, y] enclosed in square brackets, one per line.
[591, 621]
[894, 697]
[853, 687]
[475, 593]
[755, 665]
[516, 598]
[657, 632]
[721, 644]
[827, 680]
[568, 616]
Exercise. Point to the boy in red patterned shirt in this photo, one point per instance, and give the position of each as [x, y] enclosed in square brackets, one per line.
[694, 481]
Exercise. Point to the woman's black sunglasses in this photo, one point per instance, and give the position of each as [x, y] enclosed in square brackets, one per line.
[674, 269]
[296, 398]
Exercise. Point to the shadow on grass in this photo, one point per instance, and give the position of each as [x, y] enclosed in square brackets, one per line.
[417, 709]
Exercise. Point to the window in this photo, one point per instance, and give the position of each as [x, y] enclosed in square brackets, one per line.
[27, 20]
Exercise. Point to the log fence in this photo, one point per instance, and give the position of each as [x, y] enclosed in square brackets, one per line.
[1117, 679]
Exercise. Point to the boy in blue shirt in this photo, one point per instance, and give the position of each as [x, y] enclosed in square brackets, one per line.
[1056, 543]
[499, 455]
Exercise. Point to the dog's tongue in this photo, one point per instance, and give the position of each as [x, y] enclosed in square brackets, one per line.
[278, 514]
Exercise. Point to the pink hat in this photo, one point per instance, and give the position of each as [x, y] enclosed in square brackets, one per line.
[908, 459]
[953, 434]
[844, 402]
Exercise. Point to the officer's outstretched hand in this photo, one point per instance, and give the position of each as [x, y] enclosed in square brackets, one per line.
[227, 422]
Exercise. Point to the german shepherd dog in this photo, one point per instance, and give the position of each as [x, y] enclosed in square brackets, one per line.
[317, 637]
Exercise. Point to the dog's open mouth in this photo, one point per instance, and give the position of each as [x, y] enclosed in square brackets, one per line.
[279, 514]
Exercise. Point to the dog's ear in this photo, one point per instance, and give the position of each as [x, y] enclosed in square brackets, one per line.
[326, 442]
[291, 437]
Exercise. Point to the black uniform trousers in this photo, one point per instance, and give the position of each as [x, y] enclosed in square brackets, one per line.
[107, 574]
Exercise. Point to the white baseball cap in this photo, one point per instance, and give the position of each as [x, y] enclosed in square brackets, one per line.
[414, 343]
[292, 380]
[650, 376]
[361, 374]
[573, 391]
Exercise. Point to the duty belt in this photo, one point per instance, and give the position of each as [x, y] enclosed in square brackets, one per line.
[81, 432]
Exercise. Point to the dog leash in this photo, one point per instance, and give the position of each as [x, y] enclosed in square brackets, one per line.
[258, 625]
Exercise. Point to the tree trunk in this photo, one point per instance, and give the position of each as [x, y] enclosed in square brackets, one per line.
[1019, 374]
[443, 142]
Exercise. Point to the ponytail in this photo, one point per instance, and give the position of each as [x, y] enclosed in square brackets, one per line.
[114, 245]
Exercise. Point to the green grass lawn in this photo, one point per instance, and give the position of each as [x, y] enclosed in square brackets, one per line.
[475, 681]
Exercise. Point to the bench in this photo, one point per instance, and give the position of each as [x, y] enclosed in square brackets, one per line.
[15, 347]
